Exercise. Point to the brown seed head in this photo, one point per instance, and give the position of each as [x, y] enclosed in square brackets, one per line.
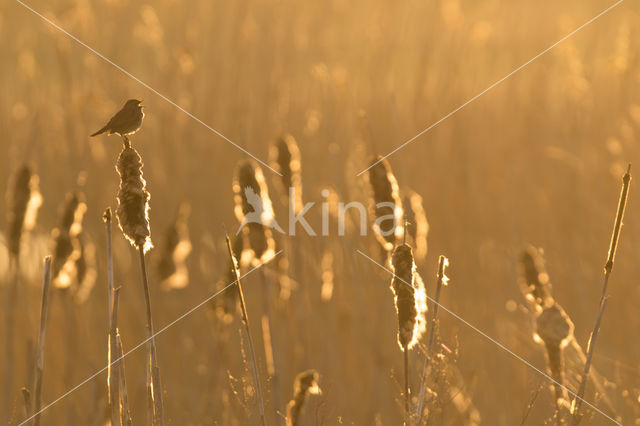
[409, 297]
[554, 327]
[24, 201]
[536, 285]
[285, 158]
[133, 200]
[252, 201]
[387, 206]
[305, 383]
[67, 250]
[172, 265]
[417, 224]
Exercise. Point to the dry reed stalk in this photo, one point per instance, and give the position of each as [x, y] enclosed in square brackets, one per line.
[172, 267]
[226, 305]
[410, 306]
[124, 398]
[133, 219]
[608, 268]
[106, 217]
[112, 378]
[285, 158]
[555, 329]
[535, 280]
[24, 199]
[113, 371]
[254, 211]
[417, 225]
[269, 339]
[245, 321]
[39, 365]
[441, 280]
[387, 205]
[305, 384]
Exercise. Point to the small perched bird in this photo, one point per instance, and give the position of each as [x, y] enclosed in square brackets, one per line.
[127, 121]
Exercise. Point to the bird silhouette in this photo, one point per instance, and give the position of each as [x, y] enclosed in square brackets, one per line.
[126, 122]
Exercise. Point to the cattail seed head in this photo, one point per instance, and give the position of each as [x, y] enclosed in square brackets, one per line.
[85, 267]
[409, 297]
[285, 158]
[554, 328]
[387, 205]
[417, 225]
[133, 200]
[24, 201]
[254, 211]
[172, 265]
[536, 285]
[66, 250]
[305, 383]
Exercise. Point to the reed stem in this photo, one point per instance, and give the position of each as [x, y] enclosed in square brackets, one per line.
[268, 334]
[407, 413]
[113, 386]
[245, 321]
[12, 300]
[153, 373]
[443, 262]
[608, 268]
[39, 367]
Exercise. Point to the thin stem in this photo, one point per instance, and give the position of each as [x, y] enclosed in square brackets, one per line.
[114, 370]
[12, 300]
[37, 386]
[443, 262]
[153, 378]
[126, 414]
[608, 268]
[407, 414]
[245, 321]
[113, 387]
[268, 335]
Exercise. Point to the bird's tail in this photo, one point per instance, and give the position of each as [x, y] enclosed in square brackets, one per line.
[99, 132]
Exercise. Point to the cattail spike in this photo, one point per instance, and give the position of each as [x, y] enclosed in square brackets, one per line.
[409, 297]
[285, 158]
[24, 199]
[387, 206]
[133, 200]
[306, 383]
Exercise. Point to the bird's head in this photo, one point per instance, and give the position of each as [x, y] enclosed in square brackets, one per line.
[133, 103]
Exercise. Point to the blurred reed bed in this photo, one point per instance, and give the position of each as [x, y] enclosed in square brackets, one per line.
[568, 125]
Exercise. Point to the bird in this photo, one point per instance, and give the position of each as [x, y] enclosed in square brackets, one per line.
[126, 122]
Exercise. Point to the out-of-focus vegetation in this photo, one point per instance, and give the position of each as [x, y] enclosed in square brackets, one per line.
[535, 160]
